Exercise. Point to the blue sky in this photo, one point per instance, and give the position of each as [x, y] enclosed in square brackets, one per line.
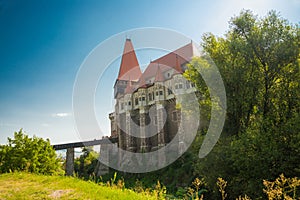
[43, 44]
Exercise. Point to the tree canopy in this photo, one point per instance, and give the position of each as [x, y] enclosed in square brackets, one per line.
[23, 153]
[258, 59]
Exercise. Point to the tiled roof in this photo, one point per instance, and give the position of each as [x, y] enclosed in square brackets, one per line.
[129, 69]
[159, 77]
[172, 60]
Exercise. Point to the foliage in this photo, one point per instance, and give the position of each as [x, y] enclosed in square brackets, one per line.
[221, 183]
[197, 189]
[283, 188]
[23, 153]
[259, 60]
[85, 164]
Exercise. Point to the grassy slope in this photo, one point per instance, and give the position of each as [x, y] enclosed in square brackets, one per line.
[31, 186]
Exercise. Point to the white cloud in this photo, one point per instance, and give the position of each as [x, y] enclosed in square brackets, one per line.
[61, 114]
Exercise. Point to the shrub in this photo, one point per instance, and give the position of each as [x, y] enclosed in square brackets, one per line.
[23, 153]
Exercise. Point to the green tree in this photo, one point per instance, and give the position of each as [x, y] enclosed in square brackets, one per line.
[85, 164]
[258, 59]
[23, 153]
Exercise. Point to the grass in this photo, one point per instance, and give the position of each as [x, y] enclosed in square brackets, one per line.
[31, 186]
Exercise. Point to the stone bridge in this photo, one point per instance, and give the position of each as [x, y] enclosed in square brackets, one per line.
[101, 169]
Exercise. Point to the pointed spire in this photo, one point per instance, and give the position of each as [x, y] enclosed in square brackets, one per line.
[178, 69]
[129, 64]
[159, 77]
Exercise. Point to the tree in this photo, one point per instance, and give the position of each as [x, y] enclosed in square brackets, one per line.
[85, 164]
[273, 44]
[259, 60]
[23, 153]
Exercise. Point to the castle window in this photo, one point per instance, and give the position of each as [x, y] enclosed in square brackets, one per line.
[150, 97]
[136, 101]
[122, 106]
[193, 84]
[156, 93]
[174, 116]
[179, 86]
[153, 95]
[129, 103]
[160, 92]
[168, 74]
[143, 98]
[187, 84]
[170, 92]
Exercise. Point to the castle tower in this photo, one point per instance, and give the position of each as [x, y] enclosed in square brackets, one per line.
[129, 69]
[129, 72]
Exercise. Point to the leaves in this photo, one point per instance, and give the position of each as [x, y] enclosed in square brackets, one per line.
[23, 153]
[259, 60]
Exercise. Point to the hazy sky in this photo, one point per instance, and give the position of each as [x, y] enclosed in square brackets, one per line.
[43, 44]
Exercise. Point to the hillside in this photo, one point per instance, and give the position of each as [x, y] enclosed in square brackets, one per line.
[31, 186]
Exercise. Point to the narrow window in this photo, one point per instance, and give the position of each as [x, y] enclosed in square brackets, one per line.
[187, 84]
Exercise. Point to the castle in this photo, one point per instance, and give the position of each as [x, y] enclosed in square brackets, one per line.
[147, 112]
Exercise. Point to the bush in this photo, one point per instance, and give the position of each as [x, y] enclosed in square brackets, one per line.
[23, 153]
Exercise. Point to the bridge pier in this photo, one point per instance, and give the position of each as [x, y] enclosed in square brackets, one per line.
[70, 162]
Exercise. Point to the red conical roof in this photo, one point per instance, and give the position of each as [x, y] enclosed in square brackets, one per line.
[129, 68]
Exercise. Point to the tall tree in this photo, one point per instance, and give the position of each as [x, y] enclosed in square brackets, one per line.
[258, 59]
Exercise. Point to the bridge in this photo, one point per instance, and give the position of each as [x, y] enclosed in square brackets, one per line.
[70, 151]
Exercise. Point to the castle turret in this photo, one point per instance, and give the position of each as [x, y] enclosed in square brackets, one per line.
[129, 69]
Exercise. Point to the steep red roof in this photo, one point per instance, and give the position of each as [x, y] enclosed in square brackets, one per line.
[129, 68]
[172, 60]
[159, 77]
[142, 82]
[177, 68]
